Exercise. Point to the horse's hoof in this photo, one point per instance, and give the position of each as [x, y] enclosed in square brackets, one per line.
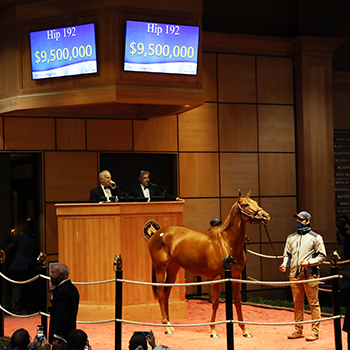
[168, 331]
[214, 335]
[247, 335]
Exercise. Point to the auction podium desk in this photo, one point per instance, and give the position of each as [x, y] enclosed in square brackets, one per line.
[89, 238]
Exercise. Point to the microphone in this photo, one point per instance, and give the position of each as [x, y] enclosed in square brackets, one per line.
[159, 186]
[113, 184]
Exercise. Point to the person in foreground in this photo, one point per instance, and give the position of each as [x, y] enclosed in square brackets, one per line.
[77, 340]
[20, 340]
[64, 305]
[107, 190]
[303, 252]
[138, 341]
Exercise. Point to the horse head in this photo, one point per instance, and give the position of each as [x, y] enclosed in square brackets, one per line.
[250, 209]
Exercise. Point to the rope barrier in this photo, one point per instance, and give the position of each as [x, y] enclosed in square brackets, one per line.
[229, 321]
[97, 282]
[281, 256]
[24, 316]
[19, 282]
[263, 255]
[233, 280]
[251, 281]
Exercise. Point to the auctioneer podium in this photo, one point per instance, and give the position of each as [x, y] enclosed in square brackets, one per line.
[89, 238]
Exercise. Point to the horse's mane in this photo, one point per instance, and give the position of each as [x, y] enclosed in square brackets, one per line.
[224, 226]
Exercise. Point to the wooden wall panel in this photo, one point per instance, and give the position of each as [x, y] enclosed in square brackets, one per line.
[109, 135]
[51, 238]
[341, 103]
[238, 171]
[70, 134]
[197, 216]
[319, 151]
[236, 78]
[199, 175]
[29, 133]
[238, 128]
[275, 80]
[277, 174]
[156, 134]
[282, 223]
[252, 231]
[253, 266]
[199, 212]
[276, 128]
[69, 176]
[10, 58]
[270, 267]
[198, 129]
[1, 134]
[209, 77]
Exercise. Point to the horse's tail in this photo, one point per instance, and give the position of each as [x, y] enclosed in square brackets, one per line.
[154, 280]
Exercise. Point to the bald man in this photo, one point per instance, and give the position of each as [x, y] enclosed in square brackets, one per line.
[64, 304]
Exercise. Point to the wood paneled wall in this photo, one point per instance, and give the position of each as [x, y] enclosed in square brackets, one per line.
[243, 137]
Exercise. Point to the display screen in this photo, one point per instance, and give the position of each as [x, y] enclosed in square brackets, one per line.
[63, 51]
[161, 48]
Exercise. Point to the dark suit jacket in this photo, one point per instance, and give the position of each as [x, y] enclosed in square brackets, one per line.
[63, 311]
[345, 294]
[21, 253]
[97, 193]
[154, 190]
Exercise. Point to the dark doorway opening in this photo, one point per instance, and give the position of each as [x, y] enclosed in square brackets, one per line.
[125, 169]
[20, 200]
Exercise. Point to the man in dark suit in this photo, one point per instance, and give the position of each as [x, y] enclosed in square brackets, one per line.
[64, 304]
[108, 190]
[148, 189]
[345, 294]
[21, 258]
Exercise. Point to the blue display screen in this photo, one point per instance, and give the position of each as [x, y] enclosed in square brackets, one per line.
[63, 51]
[161, 48]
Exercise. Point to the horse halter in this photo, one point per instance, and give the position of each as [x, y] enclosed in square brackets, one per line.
[252, 216]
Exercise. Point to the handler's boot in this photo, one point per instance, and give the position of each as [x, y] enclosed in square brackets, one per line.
[295, 335]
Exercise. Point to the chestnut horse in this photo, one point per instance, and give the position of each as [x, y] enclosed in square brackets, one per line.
[202, 254]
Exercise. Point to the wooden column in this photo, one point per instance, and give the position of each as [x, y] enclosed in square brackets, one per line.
[314, 131]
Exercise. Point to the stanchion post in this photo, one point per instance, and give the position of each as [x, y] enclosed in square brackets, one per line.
[118, 267]
[336, 305]
[2, 298]
[228, 303]
[42, 268]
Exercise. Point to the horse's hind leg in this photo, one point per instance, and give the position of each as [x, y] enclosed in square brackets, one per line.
[160, 295]
[172, 271]
[236, 288]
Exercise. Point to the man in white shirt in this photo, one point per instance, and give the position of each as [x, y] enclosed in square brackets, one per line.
[147, 189]
[108, 190]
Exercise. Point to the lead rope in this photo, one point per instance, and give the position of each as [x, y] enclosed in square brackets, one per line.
[273, 248]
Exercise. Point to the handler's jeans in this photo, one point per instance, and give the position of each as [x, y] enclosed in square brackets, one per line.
[311, 290]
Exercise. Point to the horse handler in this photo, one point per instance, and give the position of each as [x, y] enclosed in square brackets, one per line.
[303, 252]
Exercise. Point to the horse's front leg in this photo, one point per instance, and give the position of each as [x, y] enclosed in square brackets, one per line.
[216, 288]
[236, 289]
